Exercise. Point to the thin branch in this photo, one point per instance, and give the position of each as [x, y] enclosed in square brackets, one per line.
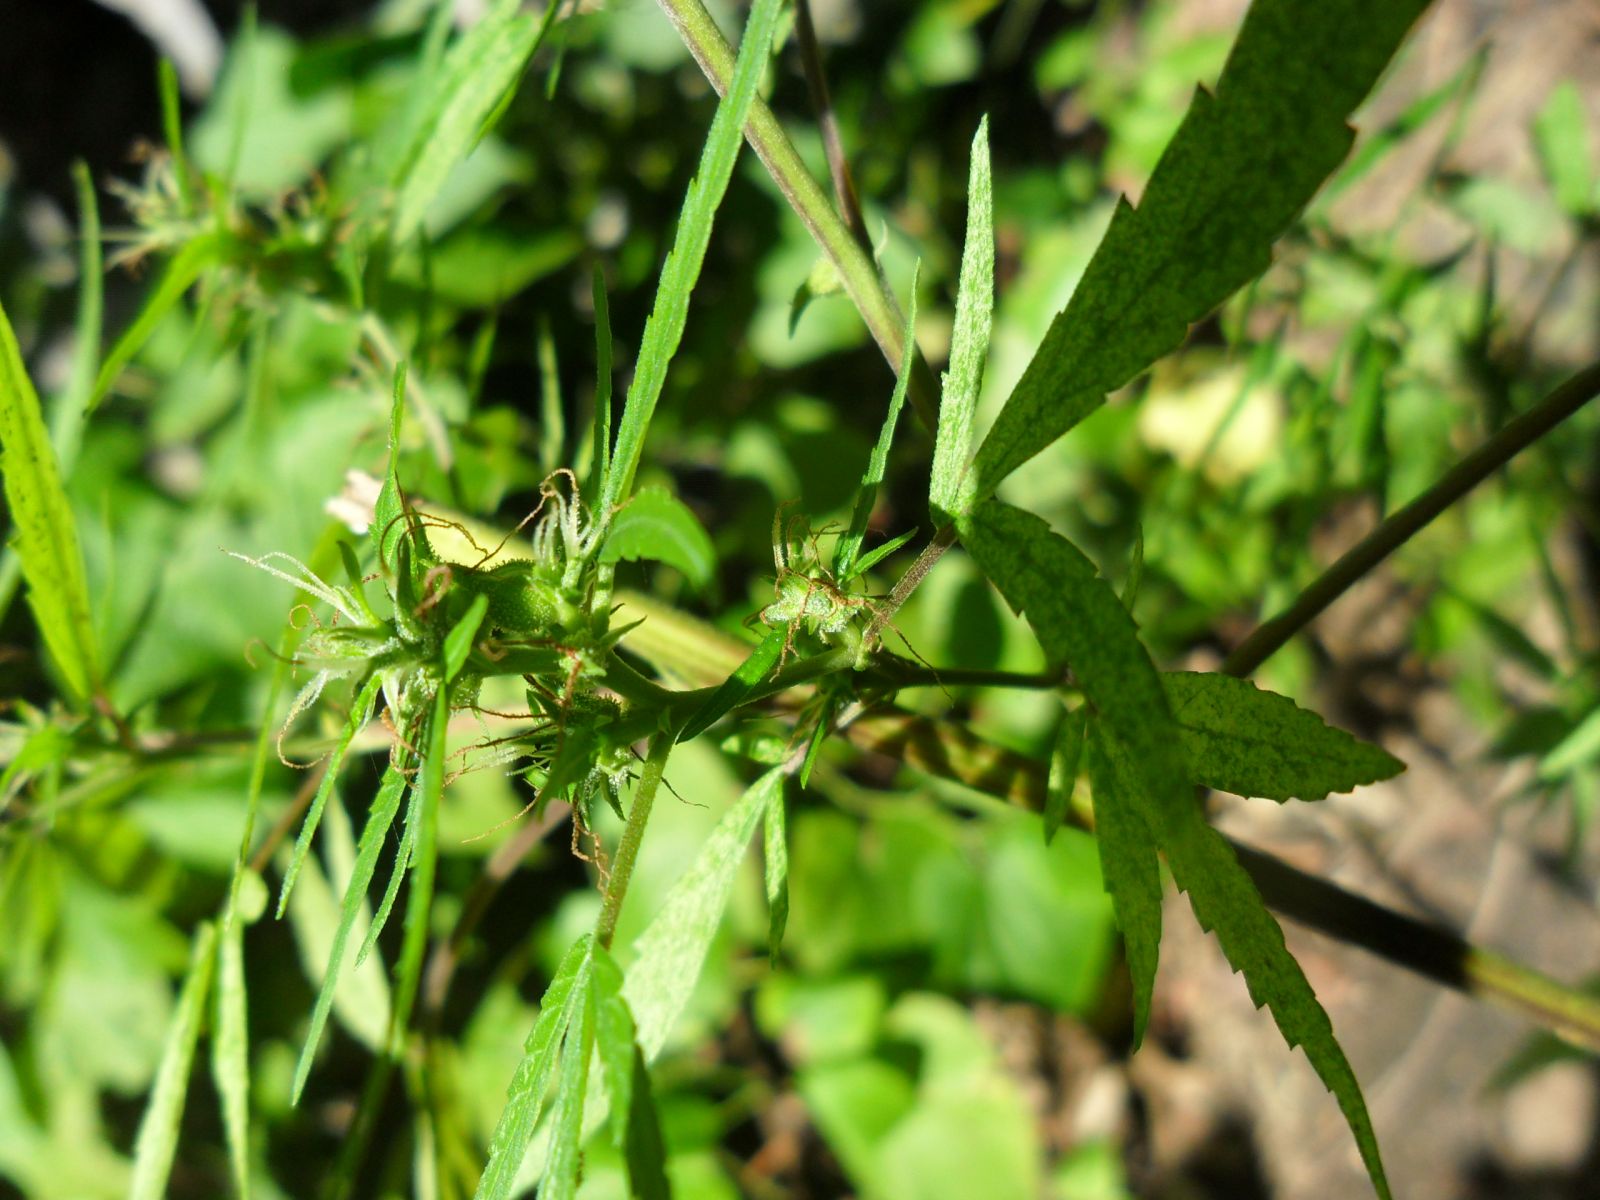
[844, 186]
[1514, 437]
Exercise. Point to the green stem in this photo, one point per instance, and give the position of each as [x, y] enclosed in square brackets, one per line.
[644, 798]
[1514, 437]
[810, 203]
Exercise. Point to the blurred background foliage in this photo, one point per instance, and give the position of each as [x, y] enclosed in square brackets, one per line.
[1447, 276]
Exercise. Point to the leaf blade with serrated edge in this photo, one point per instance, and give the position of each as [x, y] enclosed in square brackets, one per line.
[1242, 739]
[1079, 619]
[525, 1095]
[44, 533]
[157, 1140]
[664, 328]
[969, 339]
[656, 526]
[848, 548]
[671, 951]
[1241, 166]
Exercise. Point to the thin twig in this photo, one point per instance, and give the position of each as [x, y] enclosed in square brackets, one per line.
[1515, 436]
[844, 186]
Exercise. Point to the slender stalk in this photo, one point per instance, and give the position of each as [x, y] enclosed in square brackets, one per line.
[951, 751]
[810, 203]
[907, 583]
[1514, 437]
[844, 187]
[644, 798]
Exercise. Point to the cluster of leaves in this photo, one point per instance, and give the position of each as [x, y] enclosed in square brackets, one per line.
[384, 254]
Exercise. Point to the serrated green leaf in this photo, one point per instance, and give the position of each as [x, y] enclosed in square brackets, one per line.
[230, 1053]
[1241, 166]
[458, 642]
[44, 533]
[157, 1140]
[1226, 902]
[1080, 621]
[360, 712]
[1066, 755]
[670, 952]
[848, 548]
[472, 82]
[1143, 778]
[733, 690]
[1242, 739]
[775, 852]
[1131, 867]
[969, 339]
[664, 328]
[373, 835]
[525, 1097]
[656, 526]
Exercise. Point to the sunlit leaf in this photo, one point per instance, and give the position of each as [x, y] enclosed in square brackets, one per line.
[656, 526]
[472, 81]
[43, 532]
[1239, 738]
[664, 329]
[1240, 168]
[569, 988]
[671, 951]
[969, 341]
[1143, 797]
